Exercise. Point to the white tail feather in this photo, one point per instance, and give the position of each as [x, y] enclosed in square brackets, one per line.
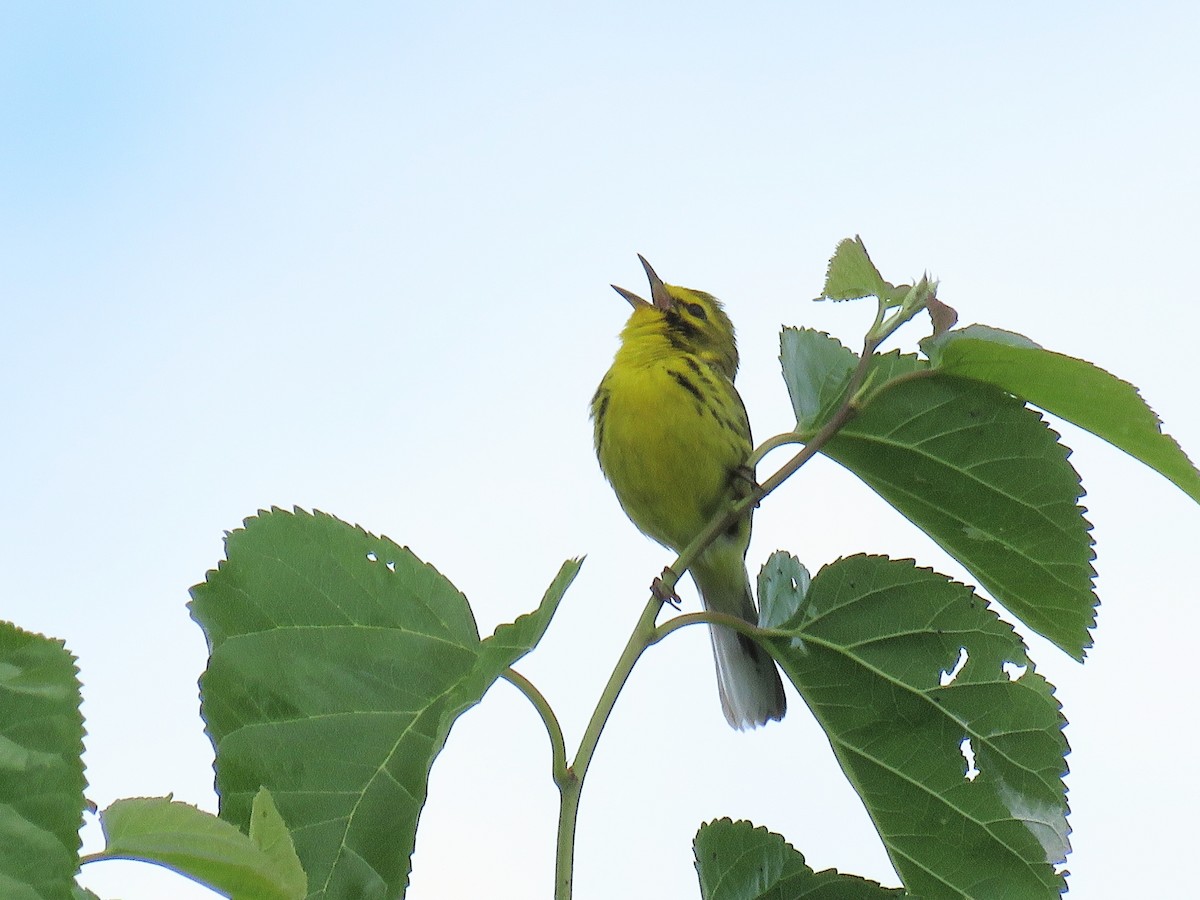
[749, 684]
[751, 692]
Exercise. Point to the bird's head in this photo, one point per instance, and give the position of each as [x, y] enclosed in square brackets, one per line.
[693, 321]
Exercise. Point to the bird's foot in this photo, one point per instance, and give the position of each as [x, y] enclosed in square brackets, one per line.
[659, 588]
[744, 482]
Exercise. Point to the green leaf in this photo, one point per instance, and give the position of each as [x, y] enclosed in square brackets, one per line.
[512, 641]
[983, 476]
[1072, 389]
[269, 833]
[736, 861]
[200, 846]
[934, 344]
[335, 655]
[338, 663]
[935, 673]
[817, 370]
[41, 769]
[782, 585]
[886, 368]
[987, 480]
[852, 275]
[82, 893]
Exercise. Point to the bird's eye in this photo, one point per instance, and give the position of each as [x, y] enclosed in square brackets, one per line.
[697, 310]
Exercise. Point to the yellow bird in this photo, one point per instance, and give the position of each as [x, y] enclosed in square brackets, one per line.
[673, 440]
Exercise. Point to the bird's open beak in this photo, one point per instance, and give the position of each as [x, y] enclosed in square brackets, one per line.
[658, 290]
[634, 300]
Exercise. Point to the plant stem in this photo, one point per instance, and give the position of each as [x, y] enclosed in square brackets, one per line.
[773, 443]
[733, 623]
[570, 781]
[558, 746]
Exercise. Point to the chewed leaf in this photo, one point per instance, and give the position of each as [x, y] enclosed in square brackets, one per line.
[338, 663]
[782, 585]
[929, 666]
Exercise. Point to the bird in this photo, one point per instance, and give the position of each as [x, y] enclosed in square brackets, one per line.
[673, 439]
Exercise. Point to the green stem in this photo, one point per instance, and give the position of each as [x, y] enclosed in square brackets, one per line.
[570, 782]
[558, 746]
[734, 623]
[917, 299]
[780, 440]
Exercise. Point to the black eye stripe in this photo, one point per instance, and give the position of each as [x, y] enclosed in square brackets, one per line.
[679, 327]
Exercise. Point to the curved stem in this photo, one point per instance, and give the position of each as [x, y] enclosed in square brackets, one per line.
[570, 784]
[773, 443]
[558, 746]
[733, 623]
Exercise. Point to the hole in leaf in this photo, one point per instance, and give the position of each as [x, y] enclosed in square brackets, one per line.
[948, 675]
[968, 754]
[371, 556]
[1013, 670]
[391, 566]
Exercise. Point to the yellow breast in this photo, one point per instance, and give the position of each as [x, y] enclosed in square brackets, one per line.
[671, 433]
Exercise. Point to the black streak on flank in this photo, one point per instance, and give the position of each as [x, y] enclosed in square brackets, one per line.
[686, 384]
[601, 410]
[699, 371]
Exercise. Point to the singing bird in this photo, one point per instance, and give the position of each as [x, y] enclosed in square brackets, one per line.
[673, 440]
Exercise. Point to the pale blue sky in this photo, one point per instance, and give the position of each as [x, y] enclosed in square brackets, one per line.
[358, 259]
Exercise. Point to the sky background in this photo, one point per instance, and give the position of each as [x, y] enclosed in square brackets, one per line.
[357, 258]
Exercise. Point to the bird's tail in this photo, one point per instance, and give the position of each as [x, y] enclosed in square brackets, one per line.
[749, 684]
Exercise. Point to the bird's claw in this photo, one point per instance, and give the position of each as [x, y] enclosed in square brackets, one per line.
[744, 482]
[662, 592]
